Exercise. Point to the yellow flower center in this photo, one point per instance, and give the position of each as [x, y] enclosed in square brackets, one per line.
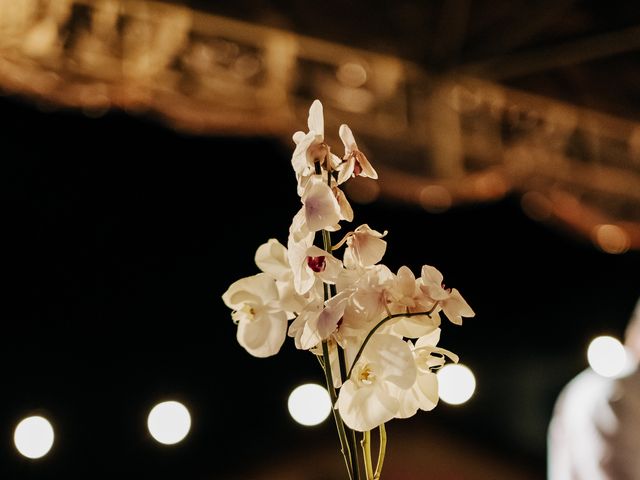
[246, 313]
[367, 376]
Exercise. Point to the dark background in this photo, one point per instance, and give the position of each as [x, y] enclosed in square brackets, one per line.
[121, 236]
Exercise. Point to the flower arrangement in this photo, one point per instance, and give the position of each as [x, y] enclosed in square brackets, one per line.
[374, 332]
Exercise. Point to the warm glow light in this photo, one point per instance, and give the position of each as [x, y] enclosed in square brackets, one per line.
[435, 198]
[169, 422]
[352, 74]
[456, 383]
[537, 206]
[607, 356]
[490, 185]
[309, 404]
[33, 437]
[611, 238]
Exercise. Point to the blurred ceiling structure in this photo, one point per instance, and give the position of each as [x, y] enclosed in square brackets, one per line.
[454, 101]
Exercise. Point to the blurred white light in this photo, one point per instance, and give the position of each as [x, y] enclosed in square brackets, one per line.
[169, 422]
[456, 383]
[607, 356]
[309, 404]
[33, 437]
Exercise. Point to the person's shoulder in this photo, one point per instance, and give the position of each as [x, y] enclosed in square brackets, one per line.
[587, 382]
[586, 389]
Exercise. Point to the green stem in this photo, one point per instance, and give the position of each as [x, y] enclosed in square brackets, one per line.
[366, 449]
[381, 452]
[354, 459]
[379, 324]
[342, 434]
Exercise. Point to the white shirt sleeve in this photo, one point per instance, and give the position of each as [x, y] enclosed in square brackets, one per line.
[594, 432]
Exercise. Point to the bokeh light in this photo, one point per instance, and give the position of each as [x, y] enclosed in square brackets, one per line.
[456, 383]
[611, 238]
[169, 422]
[309, 404]
[33, 437]
[607, 356]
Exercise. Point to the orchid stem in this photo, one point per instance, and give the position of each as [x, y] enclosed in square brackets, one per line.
[380, 323]
[381, 452]
[355, 460]
[366, 448]
[348, 447]
[342, 434]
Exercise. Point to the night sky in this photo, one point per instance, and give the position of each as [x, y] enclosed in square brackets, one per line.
[121, 234]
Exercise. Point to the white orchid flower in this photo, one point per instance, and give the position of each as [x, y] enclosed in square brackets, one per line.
[405, 296]
[317, 321]
[273, 259]
[304, 328]
[423, 395]
[300, 239]
[365, 247]
[315, 264]
[355, 162]
[367, 301]
[453, 305]
[299, 233]
[369, 398]
[310, 147]
[321, 207]
[346, 212]
[262, 325]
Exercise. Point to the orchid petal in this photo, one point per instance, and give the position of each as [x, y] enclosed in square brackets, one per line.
[271, 258]
[264, 336]
[315, 121]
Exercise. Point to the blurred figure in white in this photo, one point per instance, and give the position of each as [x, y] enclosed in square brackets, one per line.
[594, 433]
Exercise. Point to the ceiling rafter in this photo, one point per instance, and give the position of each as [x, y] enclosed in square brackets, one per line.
[210, 74]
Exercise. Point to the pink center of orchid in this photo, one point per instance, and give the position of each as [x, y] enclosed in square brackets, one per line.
[357, 168]
[317, 264]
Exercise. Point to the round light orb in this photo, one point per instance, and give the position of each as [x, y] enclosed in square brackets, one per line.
[33, 437]
[456, 383]
[607, 356]
[169, 422]
[309, 404]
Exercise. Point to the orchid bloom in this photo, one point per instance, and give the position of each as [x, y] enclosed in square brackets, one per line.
[367, 301]
[453, 305]
[300, 239]
[405, 296]
[314, 264]
[355, 162]
[310, 147]
[423, 395]
[365, 247]
[369, 398]
[320, 205]
[272, 258]
[346, 212]
[317, 322]
[262, 325]
[353, 311]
